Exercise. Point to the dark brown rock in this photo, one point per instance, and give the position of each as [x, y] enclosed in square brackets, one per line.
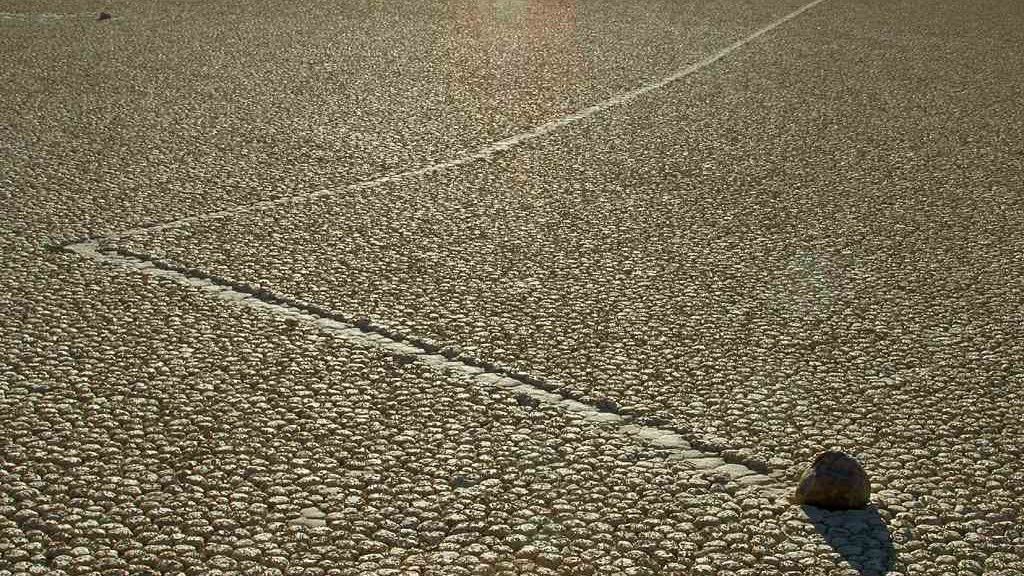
[104, 16]
[835, 481]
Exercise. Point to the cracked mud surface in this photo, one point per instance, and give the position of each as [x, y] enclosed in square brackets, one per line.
[170, 431]
[171, 110]
[784, 256]
[813, 244]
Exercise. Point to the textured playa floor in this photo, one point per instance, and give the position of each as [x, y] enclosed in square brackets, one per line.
[509, 287]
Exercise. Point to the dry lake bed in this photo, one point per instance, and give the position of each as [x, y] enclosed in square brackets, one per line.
[474, 287]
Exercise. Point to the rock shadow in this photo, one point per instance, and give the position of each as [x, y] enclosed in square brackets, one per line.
[861, 537]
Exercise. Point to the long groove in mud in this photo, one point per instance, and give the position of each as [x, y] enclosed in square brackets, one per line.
[484, 152]
[529, 391]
